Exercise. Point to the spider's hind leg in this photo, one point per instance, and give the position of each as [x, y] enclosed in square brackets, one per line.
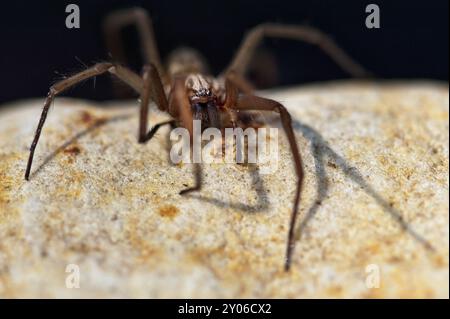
[138, 17]
[307, 34]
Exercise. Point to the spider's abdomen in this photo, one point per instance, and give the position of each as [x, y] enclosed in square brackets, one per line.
[184, 60]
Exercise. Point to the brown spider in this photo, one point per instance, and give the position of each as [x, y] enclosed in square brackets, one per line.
[187, 92]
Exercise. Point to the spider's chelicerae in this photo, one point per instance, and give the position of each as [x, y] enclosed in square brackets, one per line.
[187, 92]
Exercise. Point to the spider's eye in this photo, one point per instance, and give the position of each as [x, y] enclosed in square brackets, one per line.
[202, 99]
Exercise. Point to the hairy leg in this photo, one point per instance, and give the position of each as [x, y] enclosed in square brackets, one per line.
[240, 82]
[122, 73]
[155, 128]
[152, 88]
[180, 104]
[117, 20]
[249, 102]
[311, 35]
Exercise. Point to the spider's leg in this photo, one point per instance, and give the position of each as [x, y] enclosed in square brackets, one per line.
[311, 35]
[240, 82]
[124, 74]
[155, 129]
[198, 180]
[152, 88]
[117, 20]
[250, 102]
[181, 104]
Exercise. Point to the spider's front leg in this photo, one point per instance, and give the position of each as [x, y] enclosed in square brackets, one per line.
[140, 85]
[182, 108]
[152, 88]
[251, 102]
[124, 74]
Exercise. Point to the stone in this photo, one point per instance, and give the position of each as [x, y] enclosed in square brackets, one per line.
[101, 215]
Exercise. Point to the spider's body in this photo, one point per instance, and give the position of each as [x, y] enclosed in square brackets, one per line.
[187, 92]
[206, 94]
[206, 97]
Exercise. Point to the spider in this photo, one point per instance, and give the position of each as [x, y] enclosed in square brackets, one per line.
[187, 92]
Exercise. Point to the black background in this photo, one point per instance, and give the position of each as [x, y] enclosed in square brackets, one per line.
[35, 44]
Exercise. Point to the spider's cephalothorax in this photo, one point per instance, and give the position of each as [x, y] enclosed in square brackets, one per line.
[205, 93]
[206, 99]
[186, 91]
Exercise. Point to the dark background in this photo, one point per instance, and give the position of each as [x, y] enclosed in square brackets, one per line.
[35, 44]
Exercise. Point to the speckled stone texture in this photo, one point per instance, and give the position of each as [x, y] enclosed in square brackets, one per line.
[99, 200]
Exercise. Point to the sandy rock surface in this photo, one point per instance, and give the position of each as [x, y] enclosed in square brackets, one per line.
[102, 205]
